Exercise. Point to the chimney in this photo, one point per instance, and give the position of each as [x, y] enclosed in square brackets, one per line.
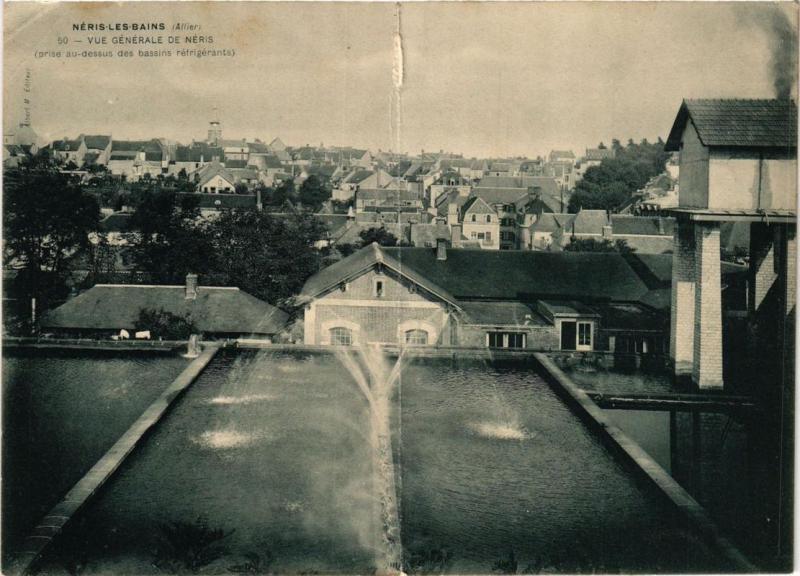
[191, 286]
[452, 213]
[455, 235]
[441, 249]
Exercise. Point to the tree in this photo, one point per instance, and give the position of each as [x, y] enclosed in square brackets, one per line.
[46, 218]
[592, 245]
[285, 191]
[615, 180]
[267, 256]
[172, 239]
[241, 188]
[313, 193]
[380, 235]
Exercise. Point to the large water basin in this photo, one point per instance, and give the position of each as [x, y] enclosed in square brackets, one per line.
[273, 450]
[61, 412]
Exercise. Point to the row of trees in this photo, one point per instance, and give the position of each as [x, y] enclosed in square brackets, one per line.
[267, 256]
[49, 215]
[612, 183]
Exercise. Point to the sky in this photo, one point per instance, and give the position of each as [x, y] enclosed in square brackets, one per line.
[482, 79]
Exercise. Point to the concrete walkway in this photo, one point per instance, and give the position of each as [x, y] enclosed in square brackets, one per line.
[642, 462]
[88, 486]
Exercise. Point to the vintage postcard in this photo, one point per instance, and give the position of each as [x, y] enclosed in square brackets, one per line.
[398, 288]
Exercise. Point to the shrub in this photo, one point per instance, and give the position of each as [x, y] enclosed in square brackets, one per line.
[166, 325]
[188, 546]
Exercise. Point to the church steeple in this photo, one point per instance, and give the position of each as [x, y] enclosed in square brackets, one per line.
[214, 129]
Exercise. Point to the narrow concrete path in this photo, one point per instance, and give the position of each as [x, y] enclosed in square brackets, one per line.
[648, 467]
[88, 487]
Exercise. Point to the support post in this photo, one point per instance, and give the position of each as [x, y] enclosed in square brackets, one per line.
[681, 336]
[707, 365]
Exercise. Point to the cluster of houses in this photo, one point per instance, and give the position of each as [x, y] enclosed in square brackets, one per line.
[481, 262]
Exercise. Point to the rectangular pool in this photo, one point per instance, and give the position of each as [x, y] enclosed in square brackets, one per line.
[273, 450]
[61, 412]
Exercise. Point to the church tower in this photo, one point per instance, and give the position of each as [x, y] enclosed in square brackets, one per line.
[214, 129]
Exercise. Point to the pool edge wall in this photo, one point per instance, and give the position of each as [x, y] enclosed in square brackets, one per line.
[643, 464]
[57, 519]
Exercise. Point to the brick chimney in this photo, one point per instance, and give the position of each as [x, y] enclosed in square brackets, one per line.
[455, 235]
[441, 249]
[191, 286]
[452, 213]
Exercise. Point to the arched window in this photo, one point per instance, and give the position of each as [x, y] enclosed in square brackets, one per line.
[341, 336]
[416, 337]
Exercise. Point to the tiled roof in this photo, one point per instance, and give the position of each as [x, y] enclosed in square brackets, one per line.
[527, 275]
[208, 171]
[552, 222]
[361, 261]
[500, 195]
[387, 195]
[748, 123]
[235, 163]
[220, 310]
[476, 205]
[599, 153]
[97, 142]
[589, 222]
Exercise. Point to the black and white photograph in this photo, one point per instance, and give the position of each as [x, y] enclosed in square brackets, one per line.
[398, 288]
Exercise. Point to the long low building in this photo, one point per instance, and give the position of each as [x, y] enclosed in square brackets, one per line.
[495, 299]
[215, 311]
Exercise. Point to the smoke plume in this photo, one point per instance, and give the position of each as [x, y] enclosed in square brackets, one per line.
[782, 36]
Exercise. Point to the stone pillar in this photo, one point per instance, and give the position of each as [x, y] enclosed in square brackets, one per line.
[681, 334]
[762, 271]
[791, 269]
[707, 365]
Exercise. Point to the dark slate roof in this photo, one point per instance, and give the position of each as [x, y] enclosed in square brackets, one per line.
[97, 142]
[626, 224]
[116, 306]
[502, 313]
[427, 234]
[746, 123]
[630, 317]
[224, 200]
[476, 274]
[272, 161]
[66, 144]
[198, 152]
[258, 147]
[235, 163]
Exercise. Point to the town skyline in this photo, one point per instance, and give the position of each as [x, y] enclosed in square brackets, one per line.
[534, 78]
